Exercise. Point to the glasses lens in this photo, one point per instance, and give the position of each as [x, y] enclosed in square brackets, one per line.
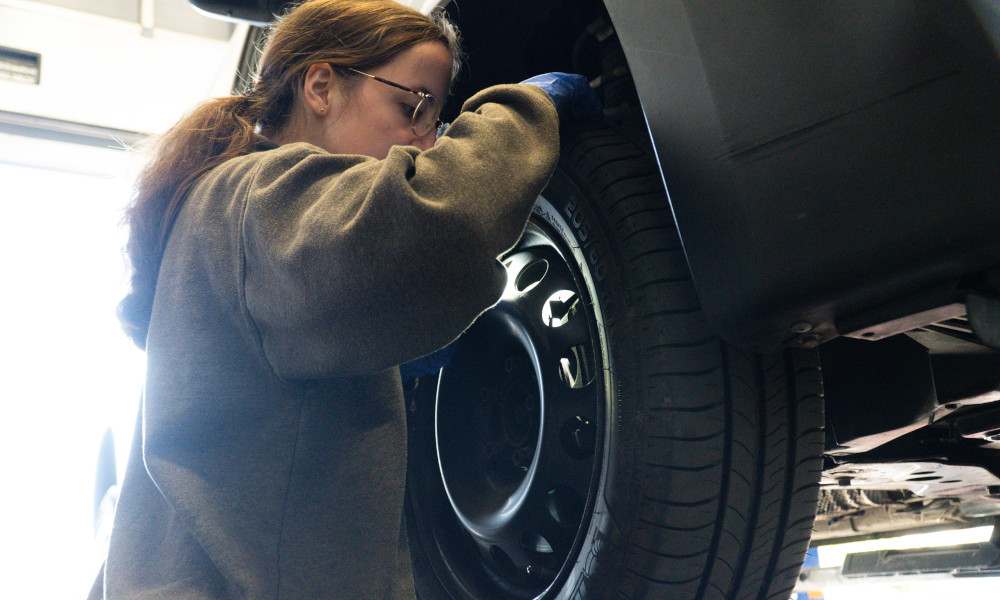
[426, 114]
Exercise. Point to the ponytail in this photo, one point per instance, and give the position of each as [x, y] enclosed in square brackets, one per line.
[214, 132]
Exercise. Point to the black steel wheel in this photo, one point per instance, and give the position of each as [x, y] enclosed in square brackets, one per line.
[519, 419]
[590, 438]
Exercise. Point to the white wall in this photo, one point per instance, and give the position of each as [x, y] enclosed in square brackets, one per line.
[102, 71]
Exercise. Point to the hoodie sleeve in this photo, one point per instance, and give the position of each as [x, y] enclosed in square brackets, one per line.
[353, 265]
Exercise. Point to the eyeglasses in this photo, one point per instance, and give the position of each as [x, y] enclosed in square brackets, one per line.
[425, 116]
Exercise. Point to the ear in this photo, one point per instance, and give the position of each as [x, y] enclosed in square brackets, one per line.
[320, 90]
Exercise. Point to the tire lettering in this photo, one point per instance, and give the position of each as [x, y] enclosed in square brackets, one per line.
[587, 246]
[595, 261]
[589, 566]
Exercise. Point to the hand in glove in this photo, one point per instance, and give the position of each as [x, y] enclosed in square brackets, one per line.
[572, 95]
[425, 365]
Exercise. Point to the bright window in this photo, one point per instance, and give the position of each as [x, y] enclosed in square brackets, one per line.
[67, 373]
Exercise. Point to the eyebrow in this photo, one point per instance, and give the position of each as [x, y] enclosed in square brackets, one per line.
[420, 88]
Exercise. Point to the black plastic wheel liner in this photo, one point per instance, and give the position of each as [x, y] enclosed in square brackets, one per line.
[821, 158]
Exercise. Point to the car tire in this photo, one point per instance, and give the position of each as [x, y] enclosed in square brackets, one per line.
[591, 438]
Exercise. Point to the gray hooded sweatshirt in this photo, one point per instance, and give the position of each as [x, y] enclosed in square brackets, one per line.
[271, 455]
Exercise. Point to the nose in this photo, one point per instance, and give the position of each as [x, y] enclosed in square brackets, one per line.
[426, 141]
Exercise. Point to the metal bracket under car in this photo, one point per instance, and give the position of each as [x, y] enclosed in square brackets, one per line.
[924, 479]
[984, 315]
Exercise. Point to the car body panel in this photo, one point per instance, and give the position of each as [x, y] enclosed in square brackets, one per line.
[821, 160]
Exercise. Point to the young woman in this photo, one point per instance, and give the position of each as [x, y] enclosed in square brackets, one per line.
[290, 248]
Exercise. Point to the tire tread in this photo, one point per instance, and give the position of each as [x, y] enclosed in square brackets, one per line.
[764, 412]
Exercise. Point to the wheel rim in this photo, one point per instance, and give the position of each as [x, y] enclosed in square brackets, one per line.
[518, 428]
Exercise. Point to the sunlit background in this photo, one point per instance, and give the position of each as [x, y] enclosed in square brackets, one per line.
[67, 373]
[875, 588]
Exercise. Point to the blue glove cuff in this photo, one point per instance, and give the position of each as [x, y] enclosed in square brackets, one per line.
[572, 95]
[426, 365]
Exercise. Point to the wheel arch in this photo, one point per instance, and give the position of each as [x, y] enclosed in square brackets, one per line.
[783, 133]
[507, 42]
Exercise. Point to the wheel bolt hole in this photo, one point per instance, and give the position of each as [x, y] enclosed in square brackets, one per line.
[531, 275]
[578, 436]
[565, 505]
[560, 308]
[534, 542]
[576, 370]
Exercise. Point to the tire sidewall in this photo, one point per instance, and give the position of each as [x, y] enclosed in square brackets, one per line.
[566, 207]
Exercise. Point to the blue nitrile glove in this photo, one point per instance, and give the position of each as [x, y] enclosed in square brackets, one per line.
[425, 365]
[572, 95]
